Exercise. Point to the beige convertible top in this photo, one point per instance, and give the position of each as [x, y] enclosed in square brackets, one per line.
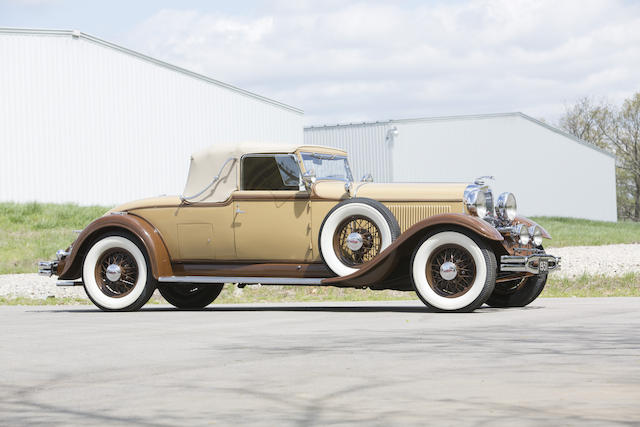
[222, 161]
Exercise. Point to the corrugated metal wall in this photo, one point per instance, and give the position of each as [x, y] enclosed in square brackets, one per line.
[367, 145]
[551, 173]
[84, 122]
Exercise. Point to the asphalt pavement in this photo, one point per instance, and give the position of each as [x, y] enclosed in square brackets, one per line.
[556, 362]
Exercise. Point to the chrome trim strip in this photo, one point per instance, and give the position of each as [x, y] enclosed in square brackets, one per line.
[69, 283]
[248, 280]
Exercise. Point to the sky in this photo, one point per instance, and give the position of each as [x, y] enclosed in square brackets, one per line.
[351, 61]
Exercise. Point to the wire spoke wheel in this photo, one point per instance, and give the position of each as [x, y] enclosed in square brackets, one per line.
[451, 271]
[357, 240]
[116, 272]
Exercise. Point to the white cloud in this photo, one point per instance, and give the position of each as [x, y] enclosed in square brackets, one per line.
[348, 61]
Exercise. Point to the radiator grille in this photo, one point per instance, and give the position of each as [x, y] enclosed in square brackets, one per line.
[408, 215]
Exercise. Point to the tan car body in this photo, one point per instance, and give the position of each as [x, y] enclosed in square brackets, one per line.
[275, 233]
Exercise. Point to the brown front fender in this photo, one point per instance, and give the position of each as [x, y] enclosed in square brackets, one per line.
[71, 267]
[528, 222]
[383, 265]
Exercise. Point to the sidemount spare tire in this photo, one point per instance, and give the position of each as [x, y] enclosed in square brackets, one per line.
[354, 232]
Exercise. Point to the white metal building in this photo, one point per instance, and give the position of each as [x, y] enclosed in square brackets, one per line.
[551, 172]
[83, 120]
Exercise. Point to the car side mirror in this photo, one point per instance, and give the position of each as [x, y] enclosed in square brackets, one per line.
[367, 177]
[308, 178]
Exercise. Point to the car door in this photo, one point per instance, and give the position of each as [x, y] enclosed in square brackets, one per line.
[271, 210]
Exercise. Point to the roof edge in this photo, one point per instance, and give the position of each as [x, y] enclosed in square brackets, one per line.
[567, 134]
[89, 37]
[465, 117]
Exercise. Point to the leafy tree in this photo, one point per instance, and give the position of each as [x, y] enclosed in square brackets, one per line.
[617, 130]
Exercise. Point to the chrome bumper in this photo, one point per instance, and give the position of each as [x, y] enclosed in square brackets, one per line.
[47, 268]
[534, 264]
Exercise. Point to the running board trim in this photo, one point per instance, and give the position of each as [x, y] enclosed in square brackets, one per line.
[246, 280]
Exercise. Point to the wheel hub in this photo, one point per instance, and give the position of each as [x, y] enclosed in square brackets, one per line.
[448, 270]
[355, 241]
[113, 272]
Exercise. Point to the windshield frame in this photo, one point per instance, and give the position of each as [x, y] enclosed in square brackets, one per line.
[327, 156]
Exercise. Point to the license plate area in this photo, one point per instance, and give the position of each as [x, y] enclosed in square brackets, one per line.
[543, 266]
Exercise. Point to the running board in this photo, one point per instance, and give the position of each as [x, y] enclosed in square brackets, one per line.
[246, 280]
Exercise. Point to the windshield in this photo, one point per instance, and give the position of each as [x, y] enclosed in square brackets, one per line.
[327, 166]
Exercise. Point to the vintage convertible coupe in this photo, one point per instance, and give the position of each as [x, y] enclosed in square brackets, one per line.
[294, 216]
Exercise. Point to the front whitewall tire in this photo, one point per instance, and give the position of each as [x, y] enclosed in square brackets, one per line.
[482, 285]
[132, 300]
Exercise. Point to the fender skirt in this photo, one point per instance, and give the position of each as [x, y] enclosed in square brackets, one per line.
[382, 266]
[71, 267]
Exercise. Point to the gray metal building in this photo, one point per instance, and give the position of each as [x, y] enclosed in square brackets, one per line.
[551, 172]
[87, 121]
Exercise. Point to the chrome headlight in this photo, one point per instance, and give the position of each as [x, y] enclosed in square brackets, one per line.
[506, 207]
[536, 235]
[523, 234]
[476, 202]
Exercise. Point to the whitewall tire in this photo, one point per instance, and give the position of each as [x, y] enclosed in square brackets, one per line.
[452, 271]
[116, 274]
[354, 232]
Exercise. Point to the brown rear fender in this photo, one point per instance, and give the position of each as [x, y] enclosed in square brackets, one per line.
[71, 267]
[382, 266]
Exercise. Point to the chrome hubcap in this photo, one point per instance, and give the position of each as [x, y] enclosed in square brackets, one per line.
[113, 272]
[355, 241]
[448, 270]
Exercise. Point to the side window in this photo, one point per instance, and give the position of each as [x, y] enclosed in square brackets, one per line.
[270, 172]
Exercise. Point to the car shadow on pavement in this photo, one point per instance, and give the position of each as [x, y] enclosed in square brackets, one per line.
[296, 308]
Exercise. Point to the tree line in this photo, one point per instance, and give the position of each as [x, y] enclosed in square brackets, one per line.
[616, 129]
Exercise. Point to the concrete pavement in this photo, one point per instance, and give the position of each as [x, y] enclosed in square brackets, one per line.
[558, 361]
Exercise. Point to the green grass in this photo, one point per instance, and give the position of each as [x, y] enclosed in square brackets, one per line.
[585, 286]
[45, 301]
[584, 232]
[627, 285]
[30, 232]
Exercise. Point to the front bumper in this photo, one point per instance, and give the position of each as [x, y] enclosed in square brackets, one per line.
[534, 264]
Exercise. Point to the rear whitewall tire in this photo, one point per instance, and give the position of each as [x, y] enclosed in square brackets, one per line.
[371, 209]
[144, 285]
[482, 285]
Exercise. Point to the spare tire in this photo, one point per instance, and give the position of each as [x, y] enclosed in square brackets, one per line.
[354, 232]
